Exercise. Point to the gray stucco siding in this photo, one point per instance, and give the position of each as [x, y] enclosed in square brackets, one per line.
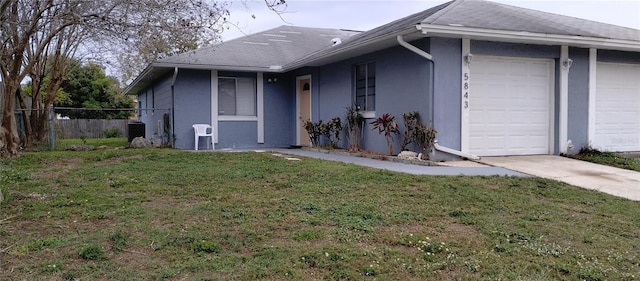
[333, 94]
[448, 61]
[237, 134]
[490, 48]
[279, 111]
[402, 85]
[157, 96]
[618, 56]
[192, 97]
[578, 104]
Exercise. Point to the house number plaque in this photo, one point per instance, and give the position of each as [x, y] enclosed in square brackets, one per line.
[465, 89]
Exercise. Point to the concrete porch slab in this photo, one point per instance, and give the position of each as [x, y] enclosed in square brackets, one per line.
[614, 181]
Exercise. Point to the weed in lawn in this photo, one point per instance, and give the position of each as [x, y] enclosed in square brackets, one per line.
[119, 239]
[92, 252]
[47, 242]
[51, 267]
[205, 246]
[590, 274]
[308, 234]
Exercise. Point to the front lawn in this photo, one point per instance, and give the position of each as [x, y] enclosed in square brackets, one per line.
[167, 214]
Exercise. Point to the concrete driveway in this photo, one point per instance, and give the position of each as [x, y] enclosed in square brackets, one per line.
[614, 181]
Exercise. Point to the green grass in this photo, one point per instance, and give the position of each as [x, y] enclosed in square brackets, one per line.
[62, 144]
[166, 214]
[607, 158]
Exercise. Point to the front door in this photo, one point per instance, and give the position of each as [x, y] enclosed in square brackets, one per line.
[304, 109]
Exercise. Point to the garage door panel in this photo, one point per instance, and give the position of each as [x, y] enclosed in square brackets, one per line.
[509, 106]
[617, 116]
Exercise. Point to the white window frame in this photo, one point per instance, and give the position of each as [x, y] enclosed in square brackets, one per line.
[365, 113]
[238, 117]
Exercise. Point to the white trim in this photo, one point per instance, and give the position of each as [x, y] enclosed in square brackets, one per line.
[552, 105]
[260, 106]
[591, 127]
[368, 114]
[528, 37]
[298, 121]
[237, 118]
[563, 111]
[464, 104]
[216, 67]
[214, 104]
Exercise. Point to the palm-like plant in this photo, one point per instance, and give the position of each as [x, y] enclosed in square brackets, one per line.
[386, 124]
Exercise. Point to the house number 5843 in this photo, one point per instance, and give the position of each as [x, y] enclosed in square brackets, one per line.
[465, 86]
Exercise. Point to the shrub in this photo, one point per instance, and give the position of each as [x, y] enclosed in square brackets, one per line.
[354, 122]
[112, 133]
[411, 120]
[424, 138]
[331, 131]
[314, 130]
[386, 124]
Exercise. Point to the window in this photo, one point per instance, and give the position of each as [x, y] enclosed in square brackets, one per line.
[365, 86]
[236, 96]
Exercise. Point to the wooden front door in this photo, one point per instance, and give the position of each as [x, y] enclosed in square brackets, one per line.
[304, 110]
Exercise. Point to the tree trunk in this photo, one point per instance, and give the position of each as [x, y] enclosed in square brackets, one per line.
[9, 142]
[26, 118]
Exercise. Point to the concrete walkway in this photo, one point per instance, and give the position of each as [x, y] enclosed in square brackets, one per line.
[402, 167]
[614, 181]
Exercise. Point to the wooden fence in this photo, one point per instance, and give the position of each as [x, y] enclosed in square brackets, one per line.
[89, 128]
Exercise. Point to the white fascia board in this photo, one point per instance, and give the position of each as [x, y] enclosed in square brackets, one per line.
[529, 37]
[217, 67]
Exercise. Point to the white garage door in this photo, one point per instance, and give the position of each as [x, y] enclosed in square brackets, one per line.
[510, 106]
[617, 107]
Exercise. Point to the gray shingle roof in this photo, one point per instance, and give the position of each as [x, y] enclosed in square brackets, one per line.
[496, 16]
[485, 15]
[292, 47]
[390, 29]
[275, 47]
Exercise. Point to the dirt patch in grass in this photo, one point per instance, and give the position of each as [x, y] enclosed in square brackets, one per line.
[57, 169]
[117, 160]
[457, 230]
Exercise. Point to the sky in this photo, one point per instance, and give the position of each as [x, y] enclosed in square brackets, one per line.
[367, 14]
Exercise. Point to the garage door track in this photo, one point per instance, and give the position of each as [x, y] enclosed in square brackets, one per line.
[614, 181]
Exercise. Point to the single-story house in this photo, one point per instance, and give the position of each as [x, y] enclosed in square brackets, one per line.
[492, 79]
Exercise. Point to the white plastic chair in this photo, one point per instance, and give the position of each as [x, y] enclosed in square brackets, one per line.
[200, 130]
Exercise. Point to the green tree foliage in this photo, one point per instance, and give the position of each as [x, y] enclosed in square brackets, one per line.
[87, 86]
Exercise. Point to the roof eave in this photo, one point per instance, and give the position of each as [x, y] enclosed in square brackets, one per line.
[529, 37]
[218, 67]
[130, 89]
[139, 78]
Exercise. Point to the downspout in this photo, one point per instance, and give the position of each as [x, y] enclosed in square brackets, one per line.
[173, 108]
[429, 57]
